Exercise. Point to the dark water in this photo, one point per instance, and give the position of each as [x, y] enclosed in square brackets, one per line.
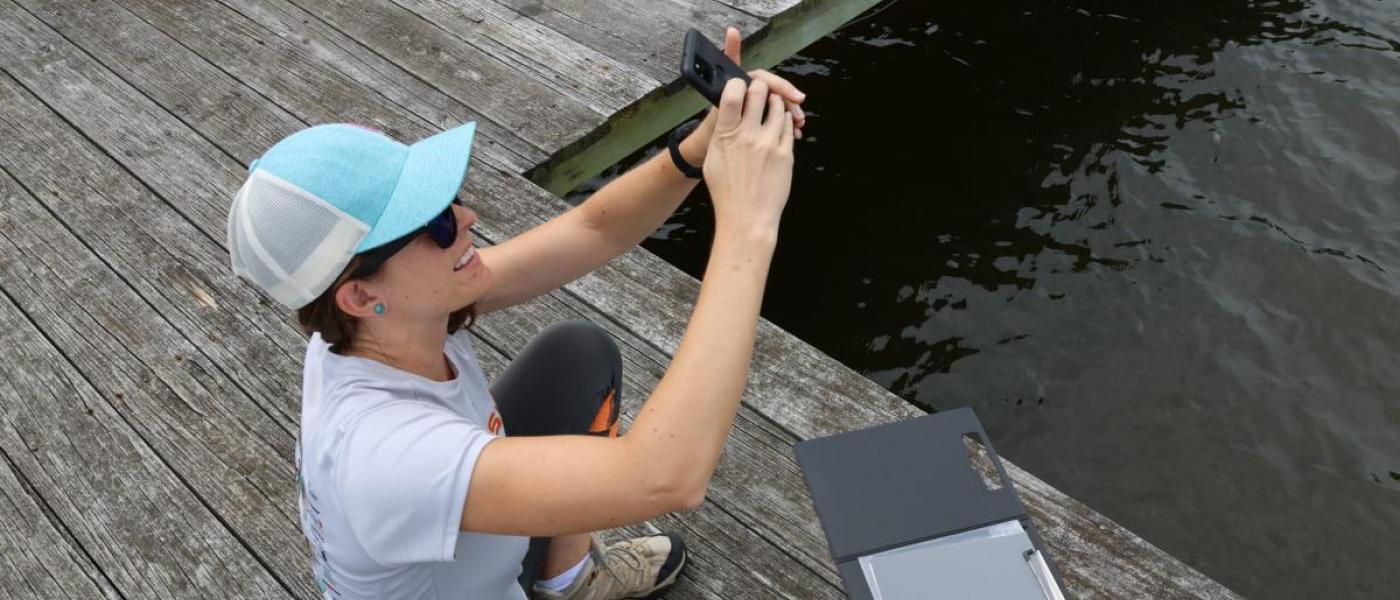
[1155, 245]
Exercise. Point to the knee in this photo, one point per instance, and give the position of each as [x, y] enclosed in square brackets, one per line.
[585, 339]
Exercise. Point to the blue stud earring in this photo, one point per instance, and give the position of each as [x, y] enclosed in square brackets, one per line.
[379, 309]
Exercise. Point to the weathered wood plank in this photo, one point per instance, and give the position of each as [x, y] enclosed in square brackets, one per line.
[199, 87]
[231, 453]
[480, 80]
[37, 559]
[267, 58]
[141, 525]
[176, 267]
[767, 10]
[575, 70]
[646, 34]
[408, 59]
[1098, 558]
[337, 84]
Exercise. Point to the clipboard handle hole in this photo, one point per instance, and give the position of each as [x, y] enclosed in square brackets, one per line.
[981, 462]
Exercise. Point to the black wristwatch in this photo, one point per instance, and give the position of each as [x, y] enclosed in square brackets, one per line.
[674, 144]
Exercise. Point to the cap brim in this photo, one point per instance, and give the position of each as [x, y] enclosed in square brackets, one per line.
[432, 175]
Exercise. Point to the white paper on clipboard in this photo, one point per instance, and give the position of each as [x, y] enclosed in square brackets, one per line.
[989, 563]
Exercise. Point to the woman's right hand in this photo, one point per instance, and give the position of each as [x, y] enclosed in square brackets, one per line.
[748, 166]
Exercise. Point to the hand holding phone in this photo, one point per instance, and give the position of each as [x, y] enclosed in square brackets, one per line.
[707, 69]
[748, 169]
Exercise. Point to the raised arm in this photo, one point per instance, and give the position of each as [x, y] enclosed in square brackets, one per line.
[555, 485]
[614, 219]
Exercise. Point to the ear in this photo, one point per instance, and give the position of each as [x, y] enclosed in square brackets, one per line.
[354, 298]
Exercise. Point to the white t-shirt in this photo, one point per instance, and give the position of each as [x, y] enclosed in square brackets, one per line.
[385, 460]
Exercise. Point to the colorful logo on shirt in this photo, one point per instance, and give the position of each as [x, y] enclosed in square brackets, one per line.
[494, 423]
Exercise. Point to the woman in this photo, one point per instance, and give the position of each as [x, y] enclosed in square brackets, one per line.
[410, 487]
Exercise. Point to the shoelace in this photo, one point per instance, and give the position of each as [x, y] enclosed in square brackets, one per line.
[626, 551]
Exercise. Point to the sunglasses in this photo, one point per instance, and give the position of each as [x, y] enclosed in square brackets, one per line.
[442, 229]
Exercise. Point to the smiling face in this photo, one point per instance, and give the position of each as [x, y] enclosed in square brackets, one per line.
[423, 282]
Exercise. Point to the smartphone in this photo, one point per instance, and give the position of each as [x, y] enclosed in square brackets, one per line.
[707, 69]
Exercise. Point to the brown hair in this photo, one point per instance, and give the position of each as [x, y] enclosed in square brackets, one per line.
[338, 329]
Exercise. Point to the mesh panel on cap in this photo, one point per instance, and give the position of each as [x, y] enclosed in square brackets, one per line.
[287, 241]
[289, 223]
[246, 261]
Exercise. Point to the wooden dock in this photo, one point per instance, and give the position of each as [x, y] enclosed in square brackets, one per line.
[149, 398]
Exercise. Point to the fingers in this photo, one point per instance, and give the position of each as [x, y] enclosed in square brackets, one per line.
[791, 95]
[786, 141]
[776, 115]
[732, 42]
[731, 105]
[753, 105]
[799, 118]
[779, 86]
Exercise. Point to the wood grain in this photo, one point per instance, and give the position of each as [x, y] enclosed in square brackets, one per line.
[645, 34]
[38, 557]
[74, 445]
[229, 451]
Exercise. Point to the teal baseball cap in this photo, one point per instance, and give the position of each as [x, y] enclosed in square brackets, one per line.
[322, 195]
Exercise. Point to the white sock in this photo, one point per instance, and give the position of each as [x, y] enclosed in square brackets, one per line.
[560, 582]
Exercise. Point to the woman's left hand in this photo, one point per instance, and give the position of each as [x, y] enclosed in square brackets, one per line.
[695, 145]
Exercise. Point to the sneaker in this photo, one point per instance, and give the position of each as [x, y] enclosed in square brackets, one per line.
[643, 567]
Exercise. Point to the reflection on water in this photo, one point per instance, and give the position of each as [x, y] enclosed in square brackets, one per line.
[1155, 245]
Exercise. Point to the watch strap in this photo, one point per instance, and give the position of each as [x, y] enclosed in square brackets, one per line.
[673, 144]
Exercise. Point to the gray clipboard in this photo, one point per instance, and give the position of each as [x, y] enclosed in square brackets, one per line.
[904, 498]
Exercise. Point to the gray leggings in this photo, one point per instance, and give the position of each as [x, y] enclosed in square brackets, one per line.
[567, 380]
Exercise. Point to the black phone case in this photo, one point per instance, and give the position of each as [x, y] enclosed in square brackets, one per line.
[706, 68]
